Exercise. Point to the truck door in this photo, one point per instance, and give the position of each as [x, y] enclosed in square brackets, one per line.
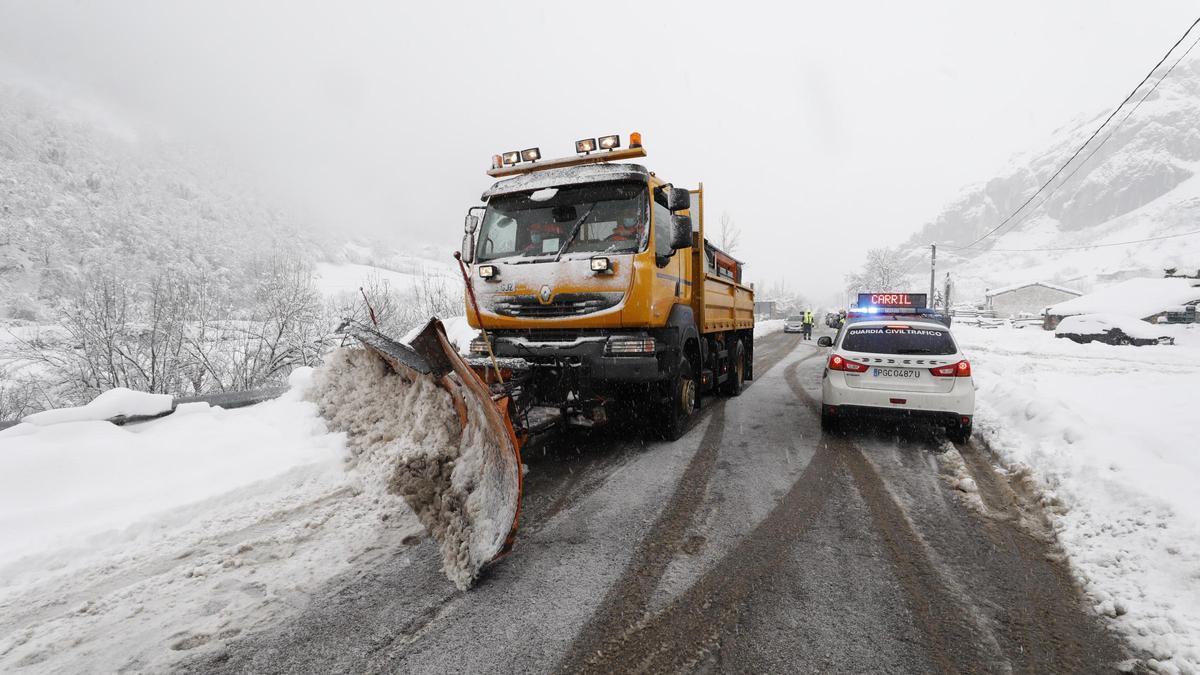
[671, 283]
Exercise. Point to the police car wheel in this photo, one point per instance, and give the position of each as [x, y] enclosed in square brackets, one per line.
[959, 433]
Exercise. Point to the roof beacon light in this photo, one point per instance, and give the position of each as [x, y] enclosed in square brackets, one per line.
[511, 158]
[635, 140]
[531, 155]
[497, 161]
[610, 142]
[585, 146]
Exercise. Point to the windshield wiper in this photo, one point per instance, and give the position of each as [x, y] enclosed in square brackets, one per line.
[574, 231]
[914, 350]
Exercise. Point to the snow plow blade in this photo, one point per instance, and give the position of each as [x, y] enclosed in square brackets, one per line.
[467, 494]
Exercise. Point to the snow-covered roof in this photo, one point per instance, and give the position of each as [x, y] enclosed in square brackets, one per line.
[1044, 284]
[570, 175]
[1140, 298]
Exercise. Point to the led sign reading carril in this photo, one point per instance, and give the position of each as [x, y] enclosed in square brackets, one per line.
[904, 300]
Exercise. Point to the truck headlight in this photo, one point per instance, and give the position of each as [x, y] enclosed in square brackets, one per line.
[601, 264]
[488, 271]
[630, 345]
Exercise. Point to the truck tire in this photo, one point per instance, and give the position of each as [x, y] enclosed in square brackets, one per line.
[680, 401]
[737, 371]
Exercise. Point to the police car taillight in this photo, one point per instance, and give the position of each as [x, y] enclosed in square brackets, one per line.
[960, 369]
[836, 362]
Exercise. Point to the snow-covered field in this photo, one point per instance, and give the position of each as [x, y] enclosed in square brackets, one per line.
[337, 279]
[125, 548]
[1109, 436]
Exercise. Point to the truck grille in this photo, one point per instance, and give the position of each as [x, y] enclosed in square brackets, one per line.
[563, 304]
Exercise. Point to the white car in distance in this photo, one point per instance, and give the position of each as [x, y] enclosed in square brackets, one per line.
[901, 368]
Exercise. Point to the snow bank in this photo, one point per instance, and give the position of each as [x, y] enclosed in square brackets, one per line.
[119, 402]
[63, 483]
[1106, 433]
[767, 327]
[407, 435]
[129, 548]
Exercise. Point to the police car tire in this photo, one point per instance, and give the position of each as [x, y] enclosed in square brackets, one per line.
[959, 433]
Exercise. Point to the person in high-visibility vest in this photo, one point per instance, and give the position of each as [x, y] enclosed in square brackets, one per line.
[807, 324]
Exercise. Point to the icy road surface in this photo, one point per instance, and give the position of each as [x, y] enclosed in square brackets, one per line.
[753, 544]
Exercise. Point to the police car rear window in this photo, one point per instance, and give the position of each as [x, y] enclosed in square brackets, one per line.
[897, 340]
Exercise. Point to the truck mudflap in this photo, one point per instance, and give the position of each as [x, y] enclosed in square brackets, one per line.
[468, 498]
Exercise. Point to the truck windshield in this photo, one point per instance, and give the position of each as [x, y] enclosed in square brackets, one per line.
[611, 218]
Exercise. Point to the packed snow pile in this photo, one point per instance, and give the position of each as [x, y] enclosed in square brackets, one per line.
[406, 434]
[1106, 433]
[114, 403]
[131, 548]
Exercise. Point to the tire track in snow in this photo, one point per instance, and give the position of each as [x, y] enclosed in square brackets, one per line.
[626, 603]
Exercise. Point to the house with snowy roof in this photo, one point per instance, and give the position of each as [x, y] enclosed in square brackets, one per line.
[1171, 300]
[1027, 299]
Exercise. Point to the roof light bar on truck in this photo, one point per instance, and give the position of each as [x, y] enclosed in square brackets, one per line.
[520, 162]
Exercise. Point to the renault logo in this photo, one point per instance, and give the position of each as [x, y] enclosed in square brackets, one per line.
[544, 295]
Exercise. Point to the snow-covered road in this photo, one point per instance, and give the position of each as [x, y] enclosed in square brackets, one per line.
[756, 542]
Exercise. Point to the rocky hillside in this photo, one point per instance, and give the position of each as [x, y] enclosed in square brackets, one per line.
[1141, 183]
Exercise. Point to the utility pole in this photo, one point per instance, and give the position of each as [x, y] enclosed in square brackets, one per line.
[932, 269]
[946, 294]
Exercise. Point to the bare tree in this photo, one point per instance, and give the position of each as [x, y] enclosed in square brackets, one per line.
[731, 234]
[884, 270]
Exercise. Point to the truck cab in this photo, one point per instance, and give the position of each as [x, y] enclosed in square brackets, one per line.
[595, 276]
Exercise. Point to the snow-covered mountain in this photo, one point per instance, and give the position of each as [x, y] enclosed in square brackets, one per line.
[1141, 183]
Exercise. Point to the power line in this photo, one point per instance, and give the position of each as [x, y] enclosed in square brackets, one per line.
[1079, 248]
[1089, 139]
[1107, 136]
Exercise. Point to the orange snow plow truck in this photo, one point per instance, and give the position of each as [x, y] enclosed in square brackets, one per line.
[598, 300]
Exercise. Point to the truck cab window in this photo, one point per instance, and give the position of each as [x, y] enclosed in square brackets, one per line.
[662, 227]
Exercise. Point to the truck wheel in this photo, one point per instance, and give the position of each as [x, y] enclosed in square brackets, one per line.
[737, 371]
[681, 402]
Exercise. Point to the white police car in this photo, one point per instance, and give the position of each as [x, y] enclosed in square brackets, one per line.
[900, 367]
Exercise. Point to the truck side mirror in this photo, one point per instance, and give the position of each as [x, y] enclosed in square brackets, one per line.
[824, 341]
[471, 223]
[468, 246]
[678, 199]
[681, 232]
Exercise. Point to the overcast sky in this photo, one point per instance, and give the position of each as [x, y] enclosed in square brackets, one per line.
[822, 128]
